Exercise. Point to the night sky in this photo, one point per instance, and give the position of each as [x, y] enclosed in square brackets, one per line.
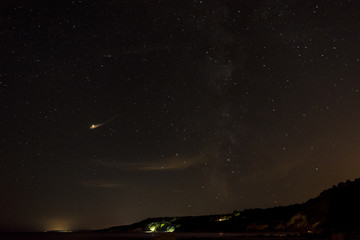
[199, 107]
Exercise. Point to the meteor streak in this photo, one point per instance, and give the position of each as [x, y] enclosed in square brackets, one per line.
[93, 126]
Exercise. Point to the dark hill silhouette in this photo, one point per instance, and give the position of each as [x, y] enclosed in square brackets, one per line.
[335, 210]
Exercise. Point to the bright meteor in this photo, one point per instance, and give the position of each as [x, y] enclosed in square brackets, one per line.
[93, 126]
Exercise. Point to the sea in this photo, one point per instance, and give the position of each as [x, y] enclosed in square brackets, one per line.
[169, 236]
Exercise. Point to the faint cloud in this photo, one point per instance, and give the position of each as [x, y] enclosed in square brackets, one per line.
[176, 163]
[102, 184]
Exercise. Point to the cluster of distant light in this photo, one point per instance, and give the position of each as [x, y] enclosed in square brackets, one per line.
[163, 226]
[170, 226]
[225, 218]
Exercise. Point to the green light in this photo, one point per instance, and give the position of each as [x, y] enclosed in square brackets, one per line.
[170, 229]
[163, 226]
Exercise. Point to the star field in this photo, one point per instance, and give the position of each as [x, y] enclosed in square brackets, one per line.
[204, 107]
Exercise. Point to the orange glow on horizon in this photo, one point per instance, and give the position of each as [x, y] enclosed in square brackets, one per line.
[58, 225]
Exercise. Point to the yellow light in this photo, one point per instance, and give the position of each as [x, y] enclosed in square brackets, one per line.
[224, 218]
[60, 225]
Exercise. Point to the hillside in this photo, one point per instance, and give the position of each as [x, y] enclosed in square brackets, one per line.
[334, 210]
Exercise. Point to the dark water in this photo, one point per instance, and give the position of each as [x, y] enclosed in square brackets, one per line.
[160, 236]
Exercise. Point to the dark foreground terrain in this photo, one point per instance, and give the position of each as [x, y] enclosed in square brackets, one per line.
[335, 210]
